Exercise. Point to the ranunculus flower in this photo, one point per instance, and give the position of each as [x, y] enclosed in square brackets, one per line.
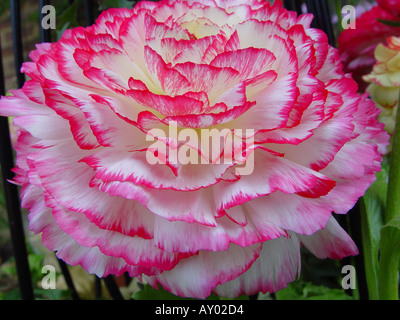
[88, 122]
[385, 81]
[356, 46]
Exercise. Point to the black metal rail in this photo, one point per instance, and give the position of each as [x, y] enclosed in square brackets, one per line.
[7, 164]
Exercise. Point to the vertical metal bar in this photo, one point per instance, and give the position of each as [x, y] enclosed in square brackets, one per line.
[112, 288]
[45, 34]
[2, 84]
[324, 19]
[288, 4]
[97, 287]
[355, 231]
[298, 5]
[294, 5]
[89, 12]
[17, 40]
[68, 279]
[311, 9]
[343, 220]
[127, 278]
[13, 204]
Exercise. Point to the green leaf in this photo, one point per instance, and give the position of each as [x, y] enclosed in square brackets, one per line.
[301, 290]
[3, 223]
[106, 4]
[389, 253]
[12, 295]
[149, 293]
[68, 19]
[61, 30]
[372, 211]
[214, 297]
[2, 198]
[390, 22]
[51, 294]
[391, 231]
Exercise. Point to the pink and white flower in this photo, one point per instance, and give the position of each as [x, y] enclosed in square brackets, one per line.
[193, 228]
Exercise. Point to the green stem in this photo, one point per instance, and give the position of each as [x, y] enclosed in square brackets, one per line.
[393, 191]
[388, 276]
[370, 255]
[388, 282]
[338, 8]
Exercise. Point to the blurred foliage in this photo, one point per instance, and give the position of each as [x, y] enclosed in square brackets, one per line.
[149, 293]
[390, 22]
[8, 281]
[373, 207]
[68, 18]
[301, 290]
[106, 4]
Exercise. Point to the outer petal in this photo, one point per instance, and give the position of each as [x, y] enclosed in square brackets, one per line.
[198, 275]
[277, 265]
[168, 234]
[301, 215]
[60, 173]
[91, 258]
[332, 242]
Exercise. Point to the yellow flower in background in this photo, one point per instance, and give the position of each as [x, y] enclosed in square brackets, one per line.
[385, 81]
[386, 98]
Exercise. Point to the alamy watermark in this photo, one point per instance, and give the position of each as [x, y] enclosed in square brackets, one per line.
[348, 280]
[48, 20]
[348, 17]
[202, 146]
[48, 17]
[49, 278]
[349, 277]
